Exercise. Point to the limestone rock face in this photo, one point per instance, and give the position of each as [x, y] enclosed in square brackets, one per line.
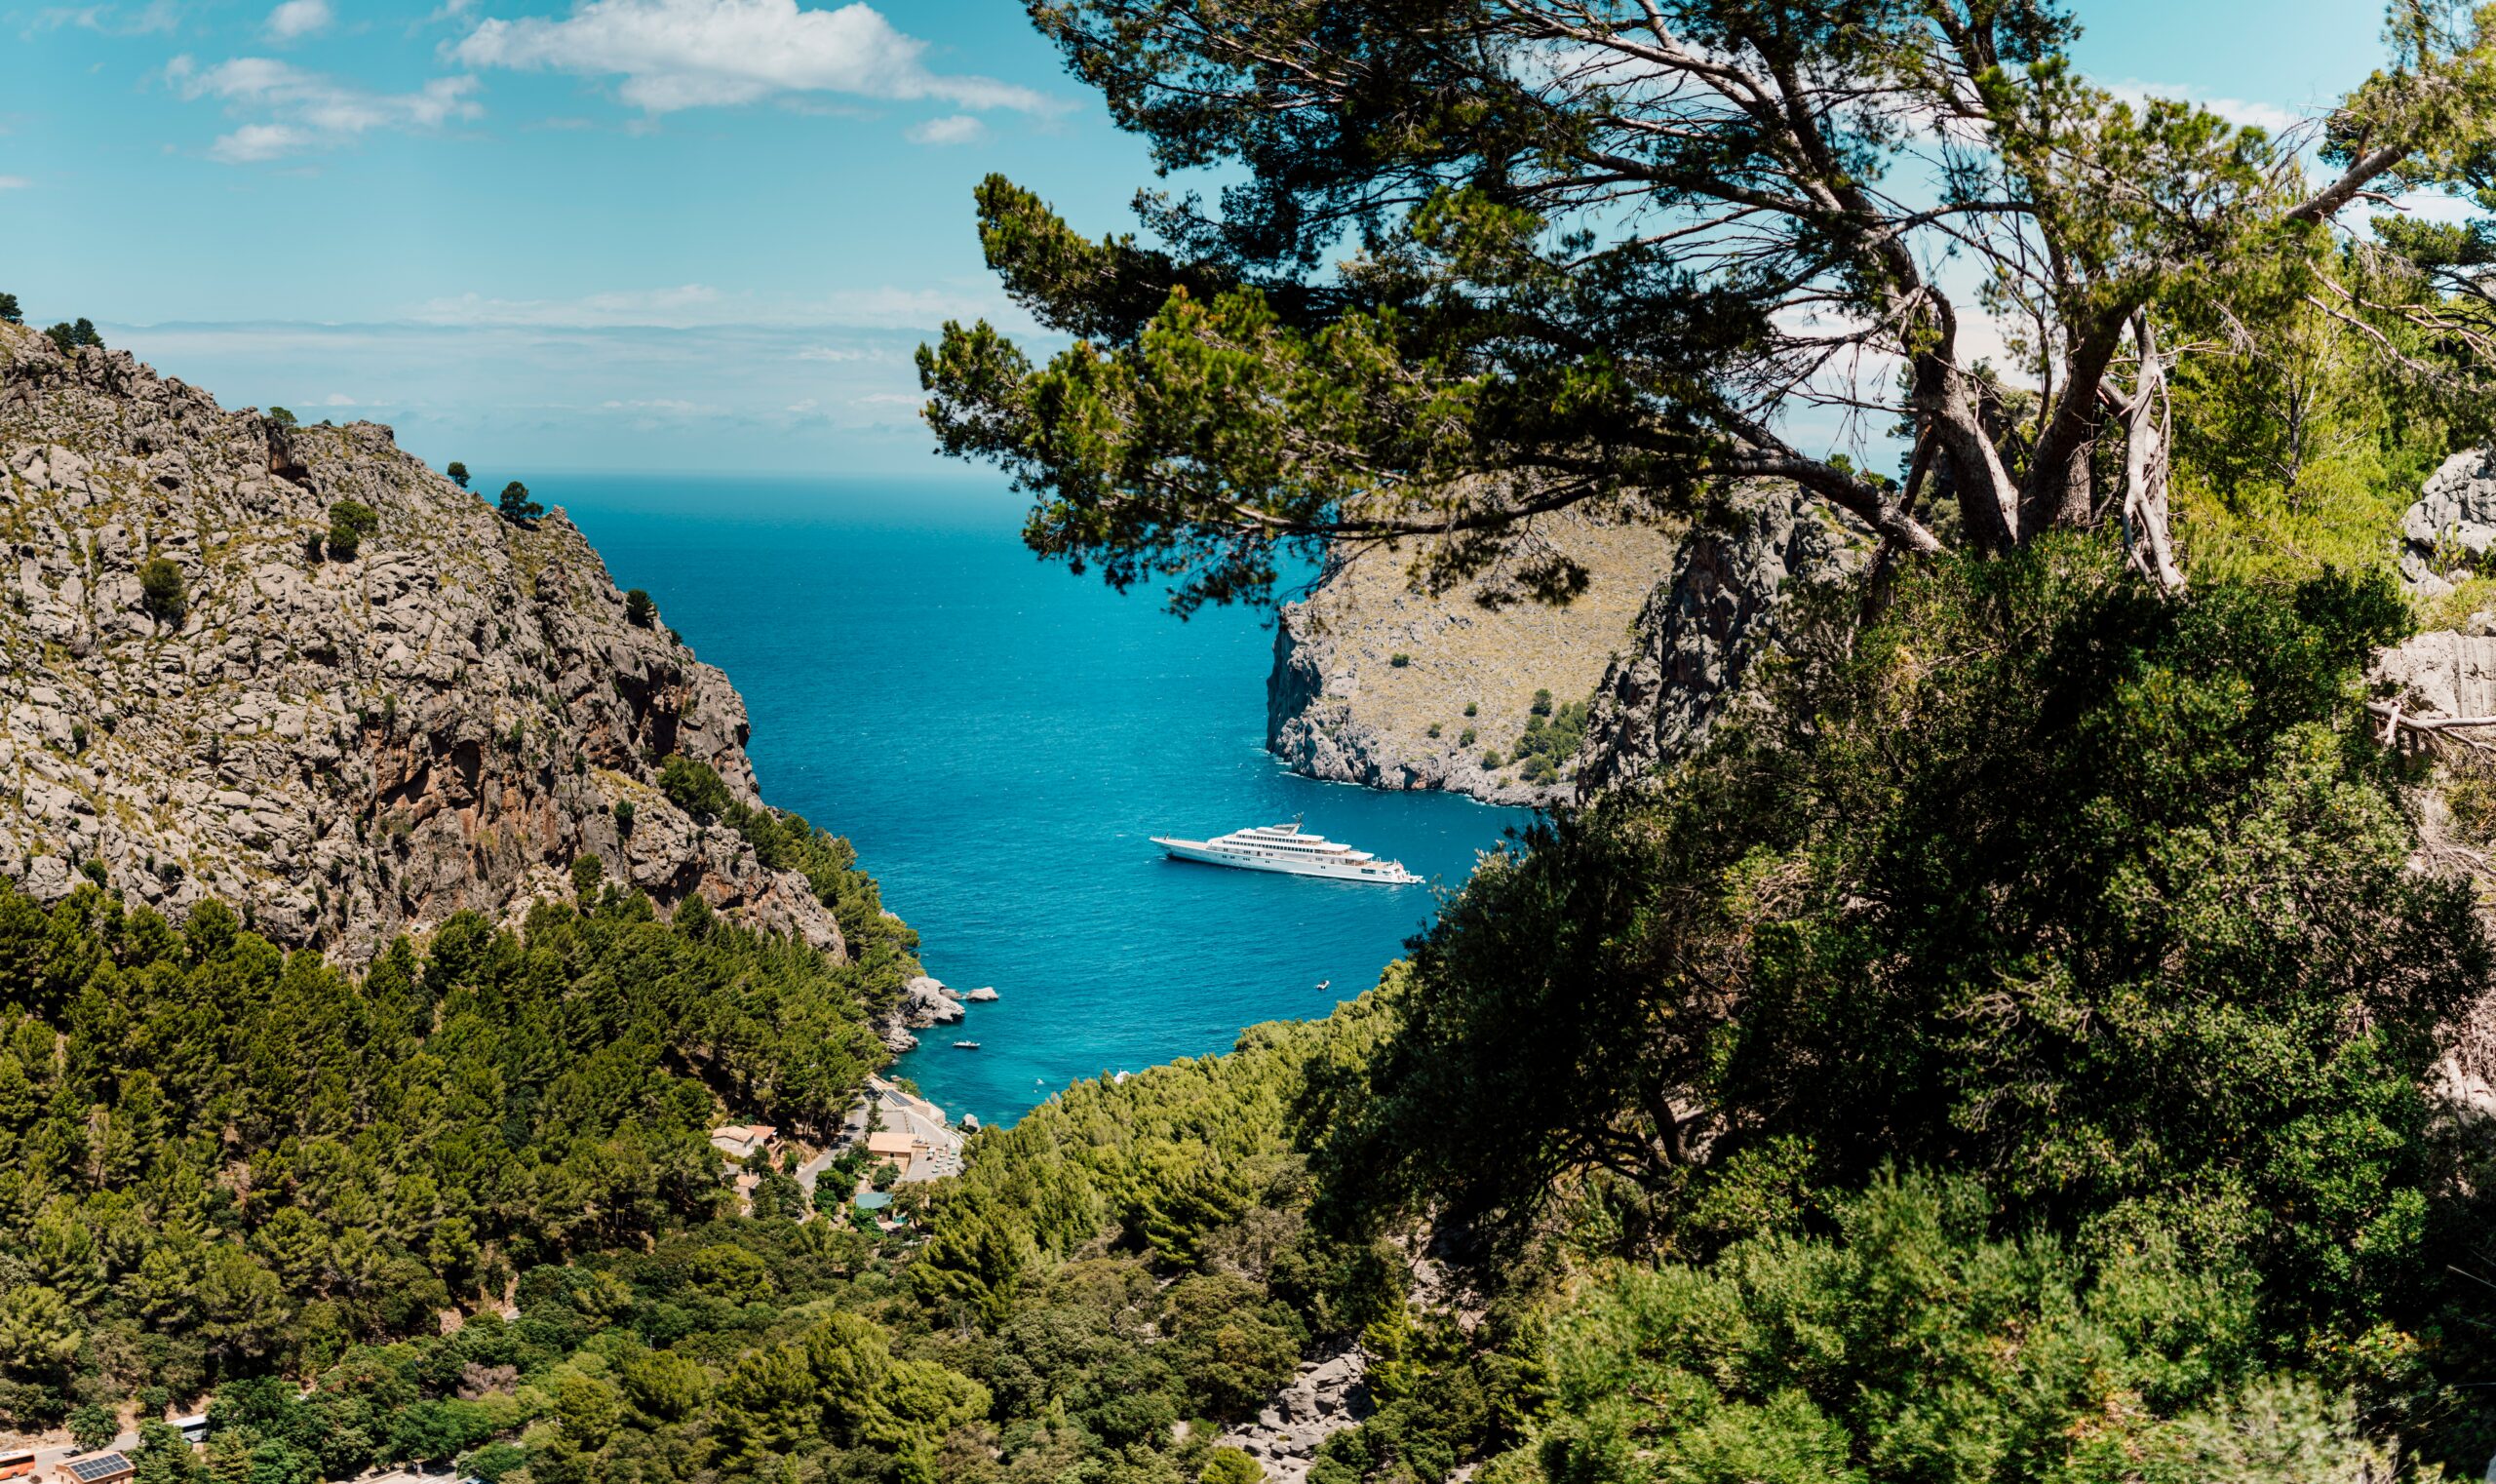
[1339, 707]
[2453, 523]
[1323, 1397]
[2442, 672]
[1698, 635]
[347, 749]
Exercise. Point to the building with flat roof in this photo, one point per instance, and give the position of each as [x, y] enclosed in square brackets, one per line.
[914, 1134]
[96, 1468]
[739, 1141]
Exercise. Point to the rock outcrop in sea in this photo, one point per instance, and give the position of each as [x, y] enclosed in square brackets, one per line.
[345, 748]
[1697, 638]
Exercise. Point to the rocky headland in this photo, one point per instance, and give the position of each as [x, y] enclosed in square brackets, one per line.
[1376, 684]
[1372, 679]
[200, 696]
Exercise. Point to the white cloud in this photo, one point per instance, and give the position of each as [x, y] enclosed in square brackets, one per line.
[304, 110]
[692, 53]
[338, 399]
[298, 17]
[953, 128]
[13, 183]
[112, 20]
[2270, 118]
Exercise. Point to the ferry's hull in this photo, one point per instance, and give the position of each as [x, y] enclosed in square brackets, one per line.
[1333, 870]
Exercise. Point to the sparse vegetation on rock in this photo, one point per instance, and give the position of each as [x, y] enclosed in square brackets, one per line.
[71, 337]
[162, 588]
[517, 507]
[350, 522]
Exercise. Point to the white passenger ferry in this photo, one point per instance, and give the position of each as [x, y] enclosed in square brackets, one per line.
[1289, 849]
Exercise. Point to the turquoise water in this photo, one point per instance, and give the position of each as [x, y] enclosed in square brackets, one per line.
[998, 737]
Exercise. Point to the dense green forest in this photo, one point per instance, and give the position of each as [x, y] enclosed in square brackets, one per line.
[462, 1206]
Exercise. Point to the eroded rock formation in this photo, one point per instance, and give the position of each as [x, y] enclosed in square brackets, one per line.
[347, 748]
[2453, 524]
[1698, 636]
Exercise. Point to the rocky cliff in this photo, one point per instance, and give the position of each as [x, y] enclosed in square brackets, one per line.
[1698, 635]
[347, 748]
[1340, 706]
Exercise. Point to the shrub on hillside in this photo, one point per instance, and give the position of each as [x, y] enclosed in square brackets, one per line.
[516, 506]
[350, 522]
[162, 590]
[71, 337]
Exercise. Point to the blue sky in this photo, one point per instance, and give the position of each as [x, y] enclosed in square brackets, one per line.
[646, 234]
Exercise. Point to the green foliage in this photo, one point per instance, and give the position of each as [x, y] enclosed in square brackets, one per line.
[881, 949]
[162, 589]
[639, 610]
[2111, 912]
[1550, 738]
[2296, 451]
[1907, 1344]
[1446, 287]
[694, 787]
[69, 337]
[1399, 659]
[456, 472]
[10, 313]
[282, 417]
[92, 1427]
[350, 522]
[516, 506]
[405, 1136]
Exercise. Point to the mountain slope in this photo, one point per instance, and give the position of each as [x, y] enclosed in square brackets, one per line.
[347, 749]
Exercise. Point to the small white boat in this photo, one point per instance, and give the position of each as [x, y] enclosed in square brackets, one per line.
[967, 1045]
[1290, 850]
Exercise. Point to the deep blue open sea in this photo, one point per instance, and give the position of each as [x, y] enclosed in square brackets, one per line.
[998, 737]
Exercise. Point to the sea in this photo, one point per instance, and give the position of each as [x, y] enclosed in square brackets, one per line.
[998, 737]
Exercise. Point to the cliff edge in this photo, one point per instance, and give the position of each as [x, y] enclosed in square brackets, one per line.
[348, 749]
[1377, 685]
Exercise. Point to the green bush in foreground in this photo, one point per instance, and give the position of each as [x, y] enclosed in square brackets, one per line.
[2099, 899]
[1909, 1344]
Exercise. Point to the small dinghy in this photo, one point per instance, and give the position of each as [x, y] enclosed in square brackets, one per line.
[967, 1045]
